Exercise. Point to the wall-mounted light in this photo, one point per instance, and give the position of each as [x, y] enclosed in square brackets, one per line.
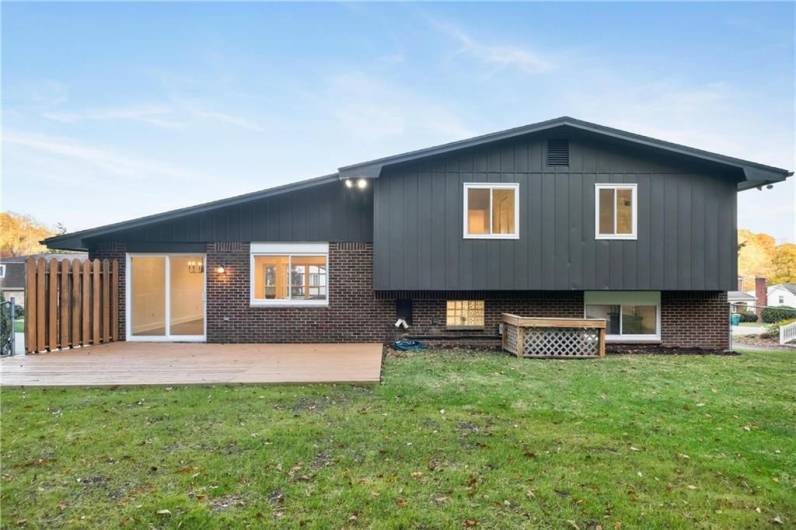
[362, 184]
[349, 183]
[220, 269]
[195, 266]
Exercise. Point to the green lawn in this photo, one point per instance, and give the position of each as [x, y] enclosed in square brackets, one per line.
[19, 326]
[450, 440]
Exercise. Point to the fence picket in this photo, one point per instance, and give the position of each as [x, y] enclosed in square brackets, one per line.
[76, 299]
[52, 306]
[106, 300]
[41, 308]
[70, 303]
[65, 305]
[30, 309]
[95, 312]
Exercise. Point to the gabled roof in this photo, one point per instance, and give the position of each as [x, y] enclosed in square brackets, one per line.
[790, 287]
[740, 296]
[754, 174]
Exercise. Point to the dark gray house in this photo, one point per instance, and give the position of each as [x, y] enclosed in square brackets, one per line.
[562, 218]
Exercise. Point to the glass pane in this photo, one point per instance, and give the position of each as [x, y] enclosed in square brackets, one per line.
[465, 313]
[148, 296]
[187, 295]
[270, 277]
[609, 312]
[624, 211]
[606, 211]
[639, 320]
[308, 278]
[478, 211]
[503, 211]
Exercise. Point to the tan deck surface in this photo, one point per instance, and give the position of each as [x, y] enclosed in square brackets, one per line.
[148, 363]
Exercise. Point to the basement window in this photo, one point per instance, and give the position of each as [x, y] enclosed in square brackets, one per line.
[491, 211]
[615, 211]
[285, 274]
[631, 316]
[465, 314]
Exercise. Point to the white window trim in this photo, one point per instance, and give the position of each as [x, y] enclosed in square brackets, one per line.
[288, 249]
[621, 298]
[621, 186]
[128, 302]
[492, 186]
[2, 271]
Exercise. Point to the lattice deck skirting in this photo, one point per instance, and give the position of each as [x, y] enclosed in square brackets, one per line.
[553, 337]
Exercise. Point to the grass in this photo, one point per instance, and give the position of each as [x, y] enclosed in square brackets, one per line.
[19, 326]
[449, 440]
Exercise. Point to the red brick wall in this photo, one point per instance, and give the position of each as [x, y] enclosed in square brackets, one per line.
[429, 315]
[695, 319]
[353, 315]
[356, 314]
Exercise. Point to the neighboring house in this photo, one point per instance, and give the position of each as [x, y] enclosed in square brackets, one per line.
[562, 218]
[740, 302]
[12, 274]
[782, 294]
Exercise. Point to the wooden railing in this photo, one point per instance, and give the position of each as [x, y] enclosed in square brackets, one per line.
[70, 303]
[553, 337]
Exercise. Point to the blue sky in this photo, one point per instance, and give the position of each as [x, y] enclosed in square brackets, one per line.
[113, 111]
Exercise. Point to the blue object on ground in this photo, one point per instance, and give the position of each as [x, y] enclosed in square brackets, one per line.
[408, 345]
[735, 319]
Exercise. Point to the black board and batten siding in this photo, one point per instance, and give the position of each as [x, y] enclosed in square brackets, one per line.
[686, 222]
[328, 212]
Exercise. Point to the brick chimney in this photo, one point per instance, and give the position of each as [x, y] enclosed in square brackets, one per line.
[761, 295]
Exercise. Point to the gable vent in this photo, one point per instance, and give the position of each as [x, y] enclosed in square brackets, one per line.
[558, 152]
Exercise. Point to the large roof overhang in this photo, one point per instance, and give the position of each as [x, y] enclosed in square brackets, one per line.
[754, 174]
[751, 174]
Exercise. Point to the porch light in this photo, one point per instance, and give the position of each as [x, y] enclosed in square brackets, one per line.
[349, 183]
[362, 184]
[195, 266]
[220, 269]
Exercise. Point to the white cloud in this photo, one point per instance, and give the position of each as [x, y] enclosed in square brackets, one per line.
[498, 56]
[179, 115]
[105, 160]
[371, 109]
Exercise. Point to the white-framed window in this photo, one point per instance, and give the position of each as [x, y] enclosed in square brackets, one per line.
[289, 274]
[781, 298]
[615, 211]
[465, 314]
[2, 271]
[491, 211]
[631, 316]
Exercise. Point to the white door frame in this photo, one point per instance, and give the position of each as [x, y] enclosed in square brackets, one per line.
[167, 324]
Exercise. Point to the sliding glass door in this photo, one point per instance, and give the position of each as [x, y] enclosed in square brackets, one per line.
[166, 297]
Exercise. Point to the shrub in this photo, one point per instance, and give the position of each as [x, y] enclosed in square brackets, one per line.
[19, 312]
[776, 314]
[748, 316]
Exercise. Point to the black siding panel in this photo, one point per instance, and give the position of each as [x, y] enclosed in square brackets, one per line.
[686, 224]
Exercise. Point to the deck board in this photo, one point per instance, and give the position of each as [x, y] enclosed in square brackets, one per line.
[147, 363]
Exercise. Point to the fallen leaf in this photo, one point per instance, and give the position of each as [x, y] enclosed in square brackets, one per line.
[164, 512]
[777, 520]
[470, 523]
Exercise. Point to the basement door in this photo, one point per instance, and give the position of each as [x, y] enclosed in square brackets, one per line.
[165, 297]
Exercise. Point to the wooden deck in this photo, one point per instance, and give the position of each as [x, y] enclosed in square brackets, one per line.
[147, 363]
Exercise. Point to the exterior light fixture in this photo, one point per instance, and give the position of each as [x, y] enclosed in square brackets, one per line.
[195, 266]
[220, 269]
[349, 183]
[362, 184]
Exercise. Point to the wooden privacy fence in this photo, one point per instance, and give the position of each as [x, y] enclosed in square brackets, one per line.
[70, 303]
[553, 337]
